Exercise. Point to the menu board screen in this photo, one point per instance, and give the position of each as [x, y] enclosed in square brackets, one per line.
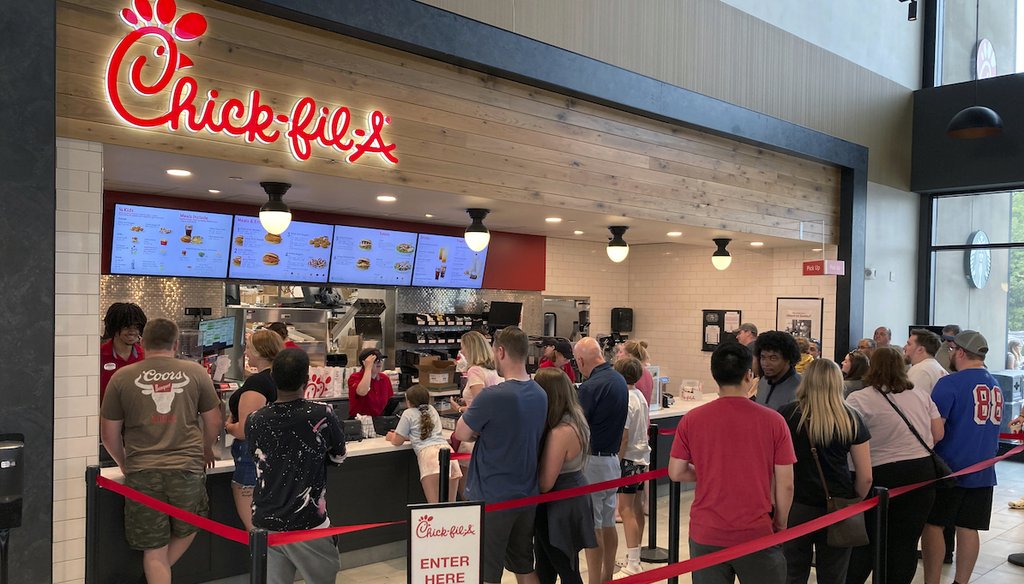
[372, 256]
[300, 254]
[448, 262]
[149, 241]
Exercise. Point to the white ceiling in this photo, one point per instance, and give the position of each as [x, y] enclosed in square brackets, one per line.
[143, 171]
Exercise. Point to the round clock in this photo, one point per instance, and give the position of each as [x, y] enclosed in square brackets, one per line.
[978, 262]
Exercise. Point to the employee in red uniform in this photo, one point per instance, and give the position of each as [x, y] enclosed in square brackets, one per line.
[369, 390]
[282, 329]
[122, 333]
[558, 353]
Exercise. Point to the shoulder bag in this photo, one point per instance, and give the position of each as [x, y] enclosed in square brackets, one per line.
[942, 470]
[849, 532]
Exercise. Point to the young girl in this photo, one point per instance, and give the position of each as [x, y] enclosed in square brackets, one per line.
[634, 457]
[421, 426]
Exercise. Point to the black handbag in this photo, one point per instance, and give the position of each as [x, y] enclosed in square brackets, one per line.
[850, 532]
[942, 470]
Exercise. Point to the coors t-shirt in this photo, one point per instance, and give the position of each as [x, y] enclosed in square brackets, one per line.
[160, 399]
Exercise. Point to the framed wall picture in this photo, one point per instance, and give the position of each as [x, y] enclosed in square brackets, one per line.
[718, 325]
[800, 316]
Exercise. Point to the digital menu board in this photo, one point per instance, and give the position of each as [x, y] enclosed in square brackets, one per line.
[301, 254]
[448, 262]
[150, 241]
[372, 256]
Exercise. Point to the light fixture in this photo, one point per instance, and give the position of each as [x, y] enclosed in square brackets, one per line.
[387, 198]
[275, 216]
[617, 248]
[756, 244]
[674, 234]
[577, 232]
[976, 121]
[553, 219]
[178, 172]
[721, 259]
[912, 11]
[477, 236]
[817, 249]
[429, 216]
[214, 192]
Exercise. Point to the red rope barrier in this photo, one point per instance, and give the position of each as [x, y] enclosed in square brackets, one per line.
[576, 491]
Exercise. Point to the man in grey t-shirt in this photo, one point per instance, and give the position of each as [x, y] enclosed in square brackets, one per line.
[777, 353]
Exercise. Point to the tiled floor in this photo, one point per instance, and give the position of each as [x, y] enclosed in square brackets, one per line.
[1005, 537]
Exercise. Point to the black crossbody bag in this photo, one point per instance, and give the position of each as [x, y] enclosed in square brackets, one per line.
[942, 470]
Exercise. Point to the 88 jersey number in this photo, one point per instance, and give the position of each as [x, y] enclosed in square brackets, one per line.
[988, 404]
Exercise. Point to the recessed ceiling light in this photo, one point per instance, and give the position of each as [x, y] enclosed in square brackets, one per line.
[178, 172]
[817, 249]
[235, 177]
[214, 192]
[553, 219]
[429, 216]
[674, 233]
[387, 198]
[577, 232]
[756, 244]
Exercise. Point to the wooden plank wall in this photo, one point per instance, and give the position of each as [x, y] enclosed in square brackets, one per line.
[457, 130]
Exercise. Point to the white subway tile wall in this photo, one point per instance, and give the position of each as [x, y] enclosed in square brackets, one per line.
[76, 351]
[668, 285]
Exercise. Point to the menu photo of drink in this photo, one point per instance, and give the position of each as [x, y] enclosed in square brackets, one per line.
[301, 254]
[150, 241]
[372, 256]
[447, 262]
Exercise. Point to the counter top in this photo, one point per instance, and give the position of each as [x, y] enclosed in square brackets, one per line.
[681, 406]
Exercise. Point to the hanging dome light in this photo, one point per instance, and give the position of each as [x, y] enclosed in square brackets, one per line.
[617, 248]
[976, 121]
[721, 259]
[275, 216]
[477, 236]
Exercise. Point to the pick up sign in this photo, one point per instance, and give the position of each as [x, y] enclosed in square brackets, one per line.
[446, 543]
[825, 268]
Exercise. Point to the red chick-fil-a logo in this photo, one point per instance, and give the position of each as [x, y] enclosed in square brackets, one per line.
[424, 530]
[306, 124]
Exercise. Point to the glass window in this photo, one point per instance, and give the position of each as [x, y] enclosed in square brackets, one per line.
[958, 218]
[1000, 28]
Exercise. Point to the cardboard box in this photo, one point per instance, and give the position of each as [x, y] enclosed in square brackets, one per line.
[437, 374]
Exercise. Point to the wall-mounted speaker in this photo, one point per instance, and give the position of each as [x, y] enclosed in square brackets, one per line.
[622, 320]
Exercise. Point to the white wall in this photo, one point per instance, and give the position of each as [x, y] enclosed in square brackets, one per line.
[891, 248]
[76, 350]
[874, 34]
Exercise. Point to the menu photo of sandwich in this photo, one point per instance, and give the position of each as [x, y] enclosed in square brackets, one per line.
[271, 238]
[363, 264]
[271, 259]
[366, 244]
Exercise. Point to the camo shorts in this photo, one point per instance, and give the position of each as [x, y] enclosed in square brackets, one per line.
[146, 528]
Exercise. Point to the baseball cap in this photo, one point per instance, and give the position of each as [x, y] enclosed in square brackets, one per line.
[747, 326]
[564, 348]
[972, 342]
[371, 351]
[548, 342]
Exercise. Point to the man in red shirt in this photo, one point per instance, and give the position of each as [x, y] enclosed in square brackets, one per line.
[716, 443]
[558, 353]
[282, 329]
[122, 329]
[368, 390]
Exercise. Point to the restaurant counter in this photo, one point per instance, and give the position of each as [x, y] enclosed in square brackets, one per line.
[373, 485]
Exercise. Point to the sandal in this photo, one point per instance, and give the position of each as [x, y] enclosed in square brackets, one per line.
[1018, 504]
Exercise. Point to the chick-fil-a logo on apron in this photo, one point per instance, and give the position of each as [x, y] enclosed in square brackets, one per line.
[305, 125]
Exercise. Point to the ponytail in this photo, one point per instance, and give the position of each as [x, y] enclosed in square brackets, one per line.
[426, 422]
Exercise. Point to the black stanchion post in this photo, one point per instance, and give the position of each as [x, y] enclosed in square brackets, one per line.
[258, 556]
[674, 498]
[444, 459]
[881, 535]
[91, 524]
[651, 553]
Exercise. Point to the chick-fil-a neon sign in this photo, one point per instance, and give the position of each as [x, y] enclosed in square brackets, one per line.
[305, 125]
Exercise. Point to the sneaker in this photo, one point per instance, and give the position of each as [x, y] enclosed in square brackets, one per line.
[631, 569]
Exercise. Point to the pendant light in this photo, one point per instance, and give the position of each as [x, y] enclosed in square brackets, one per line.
[617, 248]
[477, 237]
[976, 121]
[275, 216]
[721, 259]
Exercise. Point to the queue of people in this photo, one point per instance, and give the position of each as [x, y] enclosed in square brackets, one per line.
[789, 435]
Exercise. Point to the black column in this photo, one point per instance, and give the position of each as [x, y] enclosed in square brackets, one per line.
[27, 218]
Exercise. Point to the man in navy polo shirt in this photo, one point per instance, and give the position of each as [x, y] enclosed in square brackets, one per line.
[605, 400]
[507, 421]
[971, 405]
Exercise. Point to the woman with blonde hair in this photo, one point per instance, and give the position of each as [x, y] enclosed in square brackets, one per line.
[562, 527]
[257, 391]
[638, 350]
[825, 431]
[890, 407]
[476, 363]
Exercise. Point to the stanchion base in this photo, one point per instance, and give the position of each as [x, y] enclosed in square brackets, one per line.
[654, 555]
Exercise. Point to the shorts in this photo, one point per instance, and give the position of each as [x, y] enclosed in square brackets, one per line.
[508, 543]
[245, 468]
[598, 469]
[148, 529]
[628, 469]
[962, 507]
[430, 465]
